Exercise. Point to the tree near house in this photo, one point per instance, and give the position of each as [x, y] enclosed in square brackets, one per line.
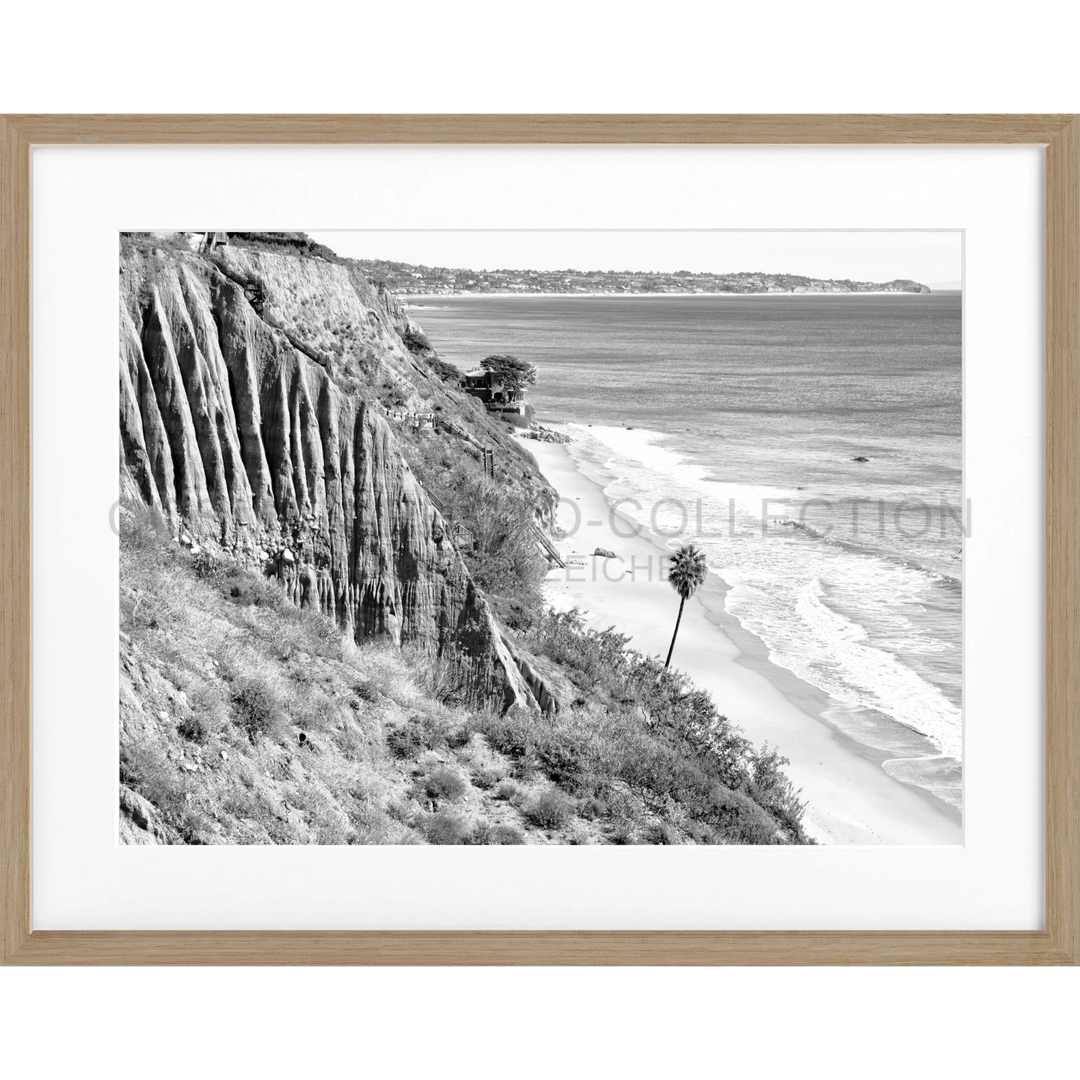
[686, 575]
[516, 374]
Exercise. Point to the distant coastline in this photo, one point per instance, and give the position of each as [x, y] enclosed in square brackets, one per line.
[408, 297]
[412, 279]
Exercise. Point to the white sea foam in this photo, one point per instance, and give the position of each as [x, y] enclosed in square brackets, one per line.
[860, 674]
[849, 622]
[659, 477]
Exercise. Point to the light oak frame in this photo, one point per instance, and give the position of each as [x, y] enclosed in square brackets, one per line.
[1054, 947]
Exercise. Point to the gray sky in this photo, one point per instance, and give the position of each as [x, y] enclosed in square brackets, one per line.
[934, 258]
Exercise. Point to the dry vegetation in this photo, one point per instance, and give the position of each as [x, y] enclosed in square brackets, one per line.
[247, 720]
[492, 519]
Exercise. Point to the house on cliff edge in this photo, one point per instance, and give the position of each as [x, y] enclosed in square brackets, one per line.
[497, 394]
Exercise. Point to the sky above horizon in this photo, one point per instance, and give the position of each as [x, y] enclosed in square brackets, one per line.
[930, 257]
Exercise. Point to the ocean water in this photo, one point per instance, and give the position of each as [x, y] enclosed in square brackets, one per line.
[700, 408]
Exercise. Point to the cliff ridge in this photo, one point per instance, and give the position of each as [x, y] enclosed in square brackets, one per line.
[249, 421]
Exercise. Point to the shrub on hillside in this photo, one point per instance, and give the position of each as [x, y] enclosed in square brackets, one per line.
[419, 732]
[364, 691]
[448, 373]
[448, 678]
[551, 809]
[773, 790]
[445, 828]
[152, 576]
[145, 770]
[311, 710]
[406, 741]
[507, 790]
[415, 340]
[172, 793]
[742, 819]
[479, 834]
[647, 731]
[142, 528]
[486, 778]
[307, 630]
[592, 658]
[256, 709]
[663, 832]
[196, 727]
[493, 526]
[210, 711]
[443, 783]
[245, 588]
[207, 567]
[486, 833]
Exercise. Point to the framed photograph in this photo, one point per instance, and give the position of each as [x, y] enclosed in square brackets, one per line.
[540, 539]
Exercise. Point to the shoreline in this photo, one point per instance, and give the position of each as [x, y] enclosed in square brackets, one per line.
[850, 798]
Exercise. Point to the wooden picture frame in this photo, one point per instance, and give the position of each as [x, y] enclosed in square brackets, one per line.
[1059, 943]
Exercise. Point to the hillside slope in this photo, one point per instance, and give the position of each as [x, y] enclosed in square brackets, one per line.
[245, 719]
[332, 629]
[258, 431]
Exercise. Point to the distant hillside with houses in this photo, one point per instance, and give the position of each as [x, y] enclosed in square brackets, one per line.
[408, 279]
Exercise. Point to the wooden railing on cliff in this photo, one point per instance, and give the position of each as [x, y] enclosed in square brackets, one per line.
[548, 548]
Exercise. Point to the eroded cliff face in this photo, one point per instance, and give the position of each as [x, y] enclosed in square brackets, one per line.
[244, 421]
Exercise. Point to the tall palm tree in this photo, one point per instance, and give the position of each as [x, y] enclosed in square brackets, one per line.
[686, 575]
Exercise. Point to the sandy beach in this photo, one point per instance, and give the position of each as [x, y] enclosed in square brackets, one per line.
[850, 798]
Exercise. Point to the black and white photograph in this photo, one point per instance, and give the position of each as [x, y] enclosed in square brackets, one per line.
[566, 537]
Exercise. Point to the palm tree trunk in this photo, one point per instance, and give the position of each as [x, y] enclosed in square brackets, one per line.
[667, 662]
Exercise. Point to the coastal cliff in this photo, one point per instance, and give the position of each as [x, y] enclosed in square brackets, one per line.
[250, 421]
[332, 621]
